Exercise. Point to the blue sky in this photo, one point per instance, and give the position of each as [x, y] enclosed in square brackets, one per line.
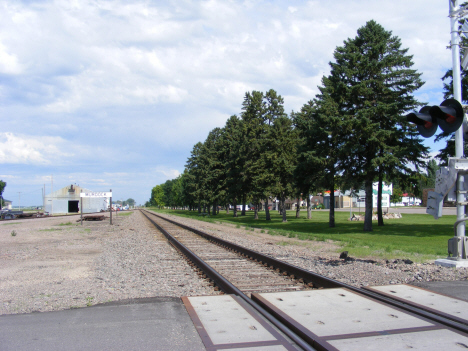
[114, 94]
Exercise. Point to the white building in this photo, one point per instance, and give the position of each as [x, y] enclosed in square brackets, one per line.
[387, 190]
[7, 204]
[67, 200]
[359, 198]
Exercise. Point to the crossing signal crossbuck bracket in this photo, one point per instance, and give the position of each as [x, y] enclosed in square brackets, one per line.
[449, 116]
[445, 188]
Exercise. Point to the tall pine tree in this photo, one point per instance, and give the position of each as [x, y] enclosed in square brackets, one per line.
[372, 83]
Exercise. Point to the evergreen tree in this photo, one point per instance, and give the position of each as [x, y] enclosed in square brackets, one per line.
[251, 148]
[372, 82]
[2, 187]
[321, 127]
[259, 111]
[264, 179]
[282, 148]
[232, 159]
[195, 176]
[212, 162]
[432, 168]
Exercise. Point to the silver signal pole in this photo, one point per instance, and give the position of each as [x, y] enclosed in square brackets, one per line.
[456, 80]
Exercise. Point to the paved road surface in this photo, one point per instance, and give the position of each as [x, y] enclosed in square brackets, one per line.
[154, 324]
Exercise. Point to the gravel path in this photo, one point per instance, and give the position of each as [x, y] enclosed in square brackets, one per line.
[55, 263]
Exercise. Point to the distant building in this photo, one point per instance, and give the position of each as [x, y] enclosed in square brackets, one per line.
[359, 197]
[67, 200]
[341, 199]
[7, 204]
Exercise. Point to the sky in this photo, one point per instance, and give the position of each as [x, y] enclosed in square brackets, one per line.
[114, 94]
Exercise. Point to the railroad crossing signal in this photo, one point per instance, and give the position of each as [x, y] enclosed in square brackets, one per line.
[449, 116]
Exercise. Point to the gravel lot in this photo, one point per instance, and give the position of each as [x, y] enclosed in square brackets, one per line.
[55, 263]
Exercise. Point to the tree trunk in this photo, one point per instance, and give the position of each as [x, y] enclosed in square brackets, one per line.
[234, 211]
[215, 208]
[379, 201]
[227, 209]
[309, 214]
[267, 210]
[298, 208]
[243, 205]
[331, 217]
[199, 207]
[256, 208]
[283, 208]
[368, 213]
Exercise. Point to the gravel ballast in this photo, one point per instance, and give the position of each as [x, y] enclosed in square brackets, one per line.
[55, 263]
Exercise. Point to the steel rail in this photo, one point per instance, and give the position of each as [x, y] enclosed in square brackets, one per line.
[228, 288]
[324, 282]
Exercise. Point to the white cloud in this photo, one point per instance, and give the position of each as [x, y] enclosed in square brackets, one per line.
[29, 149]
[168, 173]
[8, 176]
[8, 62]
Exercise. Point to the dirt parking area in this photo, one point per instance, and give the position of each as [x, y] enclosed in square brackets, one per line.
[51, 264]
[39, 255]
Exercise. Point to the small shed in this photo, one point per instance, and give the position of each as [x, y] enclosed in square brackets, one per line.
[67, 200]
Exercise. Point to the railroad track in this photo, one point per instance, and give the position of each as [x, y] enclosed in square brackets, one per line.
[240, 271]
[249, 275]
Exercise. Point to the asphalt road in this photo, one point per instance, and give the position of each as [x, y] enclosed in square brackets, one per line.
[154, 324]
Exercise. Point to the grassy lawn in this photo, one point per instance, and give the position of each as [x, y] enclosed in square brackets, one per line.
[418, 237]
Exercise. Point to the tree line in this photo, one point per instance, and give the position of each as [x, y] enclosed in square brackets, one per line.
[350, 135]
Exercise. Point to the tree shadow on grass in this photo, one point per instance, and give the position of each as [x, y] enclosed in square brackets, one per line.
[411, 225]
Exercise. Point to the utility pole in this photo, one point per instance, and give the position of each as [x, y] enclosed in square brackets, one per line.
[51, 195]
[455, 46]
[19, 201]
[458, 166]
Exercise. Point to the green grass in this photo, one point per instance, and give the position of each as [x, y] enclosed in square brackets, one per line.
[50, 230]
[67, 223]
[418, 237]
[124, 213]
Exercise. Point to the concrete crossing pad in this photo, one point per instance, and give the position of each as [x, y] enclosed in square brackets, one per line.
[340, 311]
[227, 322]
[438, 303]
[434, 340]
[344, 320]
